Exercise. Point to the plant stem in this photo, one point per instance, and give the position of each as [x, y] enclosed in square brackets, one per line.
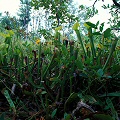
[45, 72]
[39, 59]
[92, 43]
[80, 39]
[114, 43]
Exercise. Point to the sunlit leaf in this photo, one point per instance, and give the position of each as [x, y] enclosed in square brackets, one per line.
[86, 25]
[11, 32]
[88, 45]
[90, 25]
[58, 28]
[75, 26]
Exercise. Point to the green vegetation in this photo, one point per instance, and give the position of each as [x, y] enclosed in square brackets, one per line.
[61, 78]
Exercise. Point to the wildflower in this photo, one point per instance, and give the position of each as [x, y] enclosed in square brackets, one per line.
[88, 46]
[37, 41]
[50, 43]
[51, 79]
[68, 50]
[100, 46]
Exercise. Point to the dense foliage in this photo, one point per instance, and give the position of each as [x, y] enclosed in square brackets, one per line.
[63, 77]
[24, 13]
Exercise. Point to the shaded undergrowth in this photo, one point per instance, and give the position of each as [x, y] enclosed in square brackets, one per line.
[60, 79]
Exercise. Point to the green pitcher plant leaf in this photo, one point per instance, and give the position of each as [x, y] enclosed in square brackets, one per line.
[6, 94]
[100, 72]
[54, 113]
[112, 49]
[86, 25]
[89, 24]
[58, 28]
[76, 26]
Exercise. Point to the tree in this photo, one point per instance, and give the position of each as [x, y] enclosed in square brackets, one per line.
[58, 10]
[114, 21]
[9, 22]
[114, 11]
[24, 13]
[116, 3]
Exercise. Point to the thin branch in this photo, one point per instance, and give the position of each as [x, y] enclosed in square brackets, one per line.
[116, 4]
[115, 28]
[94, 3]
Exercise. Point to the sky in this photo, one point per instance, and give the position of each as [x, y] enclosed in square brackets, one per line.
[9, 5]
[13, 5]
[103, 14]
